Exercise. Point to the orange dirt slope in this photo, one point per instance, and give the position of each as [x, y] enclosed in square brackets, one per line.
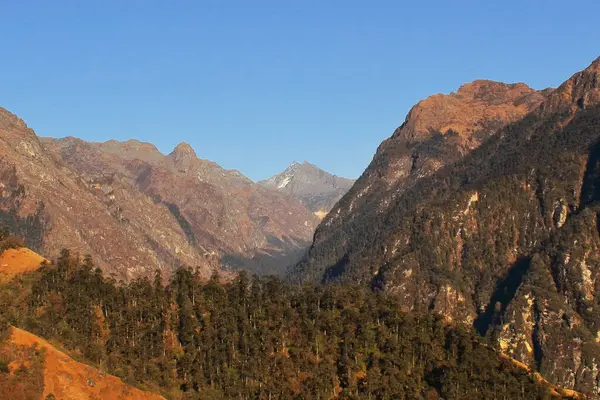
[68, 379]
[14, 262]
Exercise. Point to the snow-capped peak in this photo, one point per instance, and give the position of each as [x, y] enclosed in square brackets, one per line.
[317, 189]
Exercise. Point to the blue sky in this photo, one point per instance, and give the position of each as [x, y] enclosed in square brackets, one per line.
[254, 85]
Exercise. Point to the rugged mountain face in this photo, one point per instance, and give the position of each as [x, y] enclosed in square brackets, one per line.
[221, 213]
[490, 219]
[438, 132]
[316, 189]
[135, 210]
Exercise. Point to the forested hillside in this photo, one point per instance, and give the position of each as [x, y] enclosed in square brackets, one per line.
[32, 368]
[258, 338]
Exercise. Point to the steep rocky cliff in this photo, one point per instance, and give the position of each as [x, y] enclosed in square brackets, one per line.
[316, 189]
[552, 323]
[135, 210]
[489, 219]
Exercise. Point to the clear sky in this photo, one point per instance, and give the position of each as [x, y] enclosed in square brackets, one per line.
[254, 84]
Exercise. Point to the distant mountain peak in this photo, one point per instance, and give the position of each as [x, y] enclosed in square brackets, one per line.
[317, 189]
[293, 166]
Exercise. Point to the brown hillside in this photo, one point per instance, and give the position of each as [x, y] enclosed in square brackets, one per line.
[67, 379]
[18, 261]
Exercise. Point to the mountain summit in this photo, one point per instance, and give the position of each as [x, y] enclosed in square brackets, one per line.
[317, 189]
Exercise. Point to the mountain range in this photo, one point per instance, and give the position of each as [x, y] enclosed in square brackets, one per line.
[136, 210]
[475, 230]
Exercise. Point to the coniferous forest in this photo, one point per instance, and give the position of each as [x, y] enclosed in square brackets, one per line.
[257, 338]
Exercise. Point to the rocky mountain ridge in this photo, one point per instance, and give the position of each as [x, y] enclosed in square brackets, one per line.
[317, 189]
[489, 216]
[136, 210]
